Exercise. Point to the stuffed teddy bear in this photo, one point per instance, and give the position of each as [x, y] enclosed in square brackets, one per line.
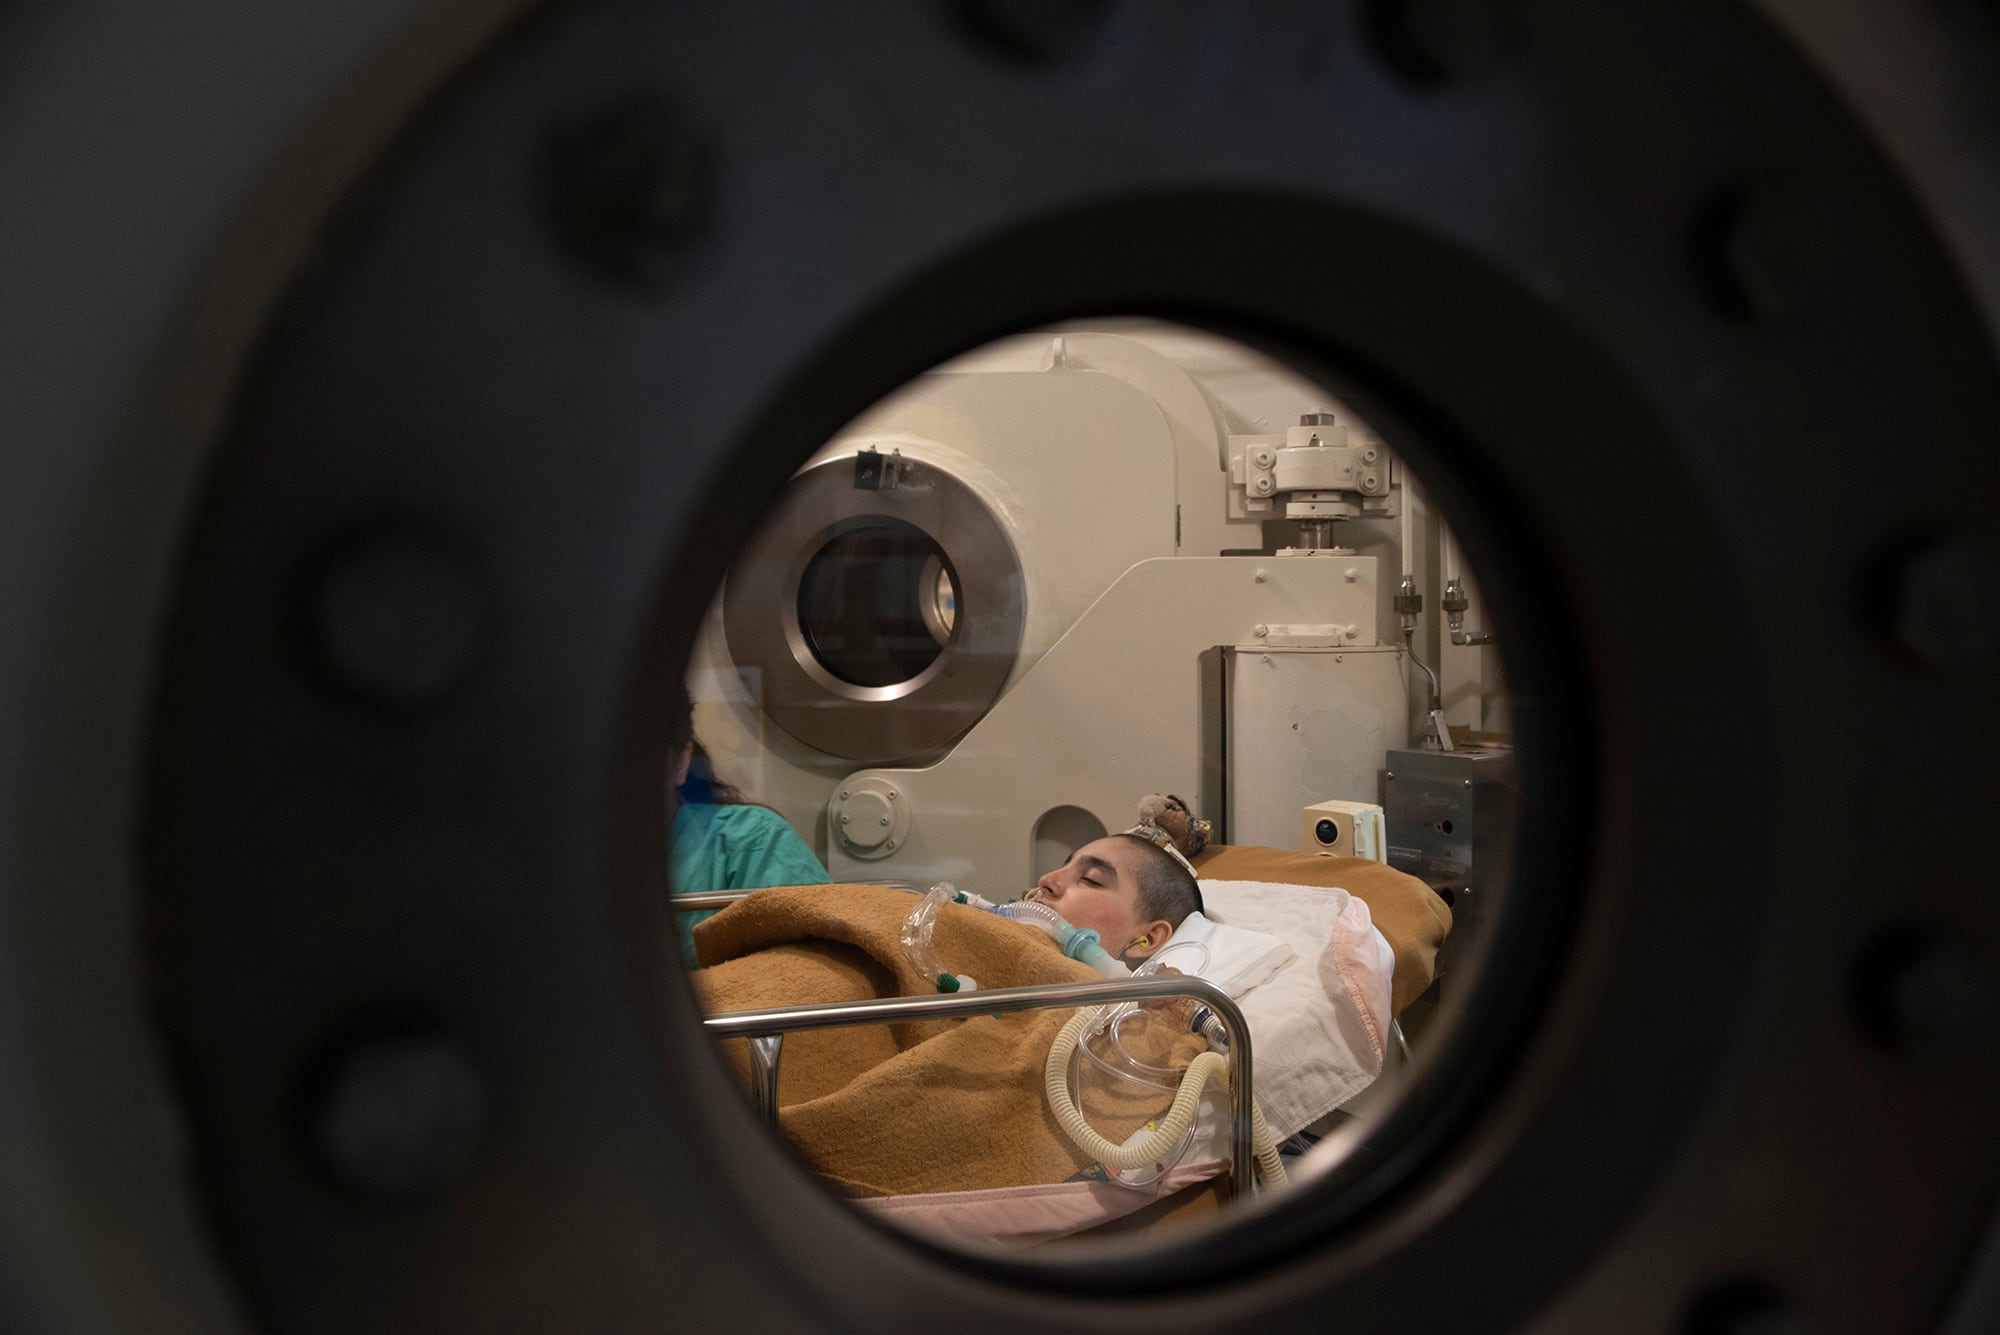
[1167, 814]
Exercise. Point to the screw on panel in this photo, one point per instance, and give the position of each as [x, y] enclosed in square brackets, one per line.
[633, 187]
[1037, 32]
[1441, 41]
[1768, 246]
[395, 617]
[1944, 603]
[401, 1115]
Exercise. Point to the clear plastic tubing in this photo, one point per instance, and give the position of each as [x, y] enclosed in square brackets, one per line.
[1078, 943]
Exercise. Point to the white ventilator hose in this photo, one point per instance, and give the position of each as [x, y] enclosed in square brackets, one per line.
[1180, 1116]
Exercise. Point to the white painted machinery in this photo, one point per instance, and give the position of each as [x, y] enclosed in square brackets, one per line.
[1037, 585]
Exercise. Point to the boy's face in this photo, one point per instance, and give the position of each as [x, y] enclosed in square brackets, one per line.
[1098, 888]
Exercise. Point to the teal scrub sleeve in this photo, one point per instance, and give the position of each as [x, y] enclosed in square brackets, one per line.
[734, 848]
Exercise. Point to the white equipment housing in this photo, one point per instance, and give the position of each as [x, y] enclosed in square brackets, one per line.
[1090, 643]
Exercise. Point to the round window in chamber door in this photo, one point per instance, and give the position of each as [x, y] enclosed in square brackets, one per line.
[877, 602]
[879, 625]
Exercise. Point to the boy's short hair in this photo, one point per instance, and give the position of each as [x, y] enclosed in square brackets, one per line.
[1165, 891]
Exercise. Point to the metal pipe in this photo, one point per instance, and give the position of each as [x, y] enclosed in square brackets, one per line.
[1410, 647]
[775, 1020]
[765, 1050]
[1455, 602]
[716, 899]
[706, 899]
[1399, 1044]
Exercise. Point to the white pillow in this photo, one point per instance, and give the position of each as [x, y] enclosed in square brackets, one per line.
[1238, 959]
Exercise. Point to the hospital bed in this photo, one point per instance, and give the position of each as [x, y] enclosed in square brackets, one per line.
[1250, 888]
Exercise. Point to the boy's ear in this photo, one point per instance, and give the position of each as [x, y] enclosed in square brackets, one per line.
[1153, 937]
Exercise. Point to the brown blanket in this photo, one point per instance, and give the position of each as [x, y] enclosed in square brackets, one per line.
[1407, 912]
[941, 1105]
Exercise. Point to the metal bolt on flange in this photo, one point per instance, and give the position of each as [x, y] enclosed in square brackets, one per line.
[1772, 244]
[1441, 41]
[1744, 1306]
[401, 1116]
[633, 188]
[394, 616]
[1037, 32]
[1945, 605]
[1927, 996]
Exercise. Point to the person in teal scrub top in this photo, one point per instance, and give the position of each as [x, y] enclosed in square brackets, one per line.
[719, 841]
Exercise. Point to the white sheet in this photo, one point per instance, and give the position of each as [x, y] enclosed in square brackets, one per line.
[1318, 1026]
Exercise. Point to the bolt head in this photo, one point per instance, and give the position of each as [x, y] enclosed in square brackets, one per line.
[1927, 995]
[1773, 244]
[1037, 32]
[1745, 1306]
[401, 1116]
[1945, 605]
[1440, 41]
[395, 617]
[633, 189]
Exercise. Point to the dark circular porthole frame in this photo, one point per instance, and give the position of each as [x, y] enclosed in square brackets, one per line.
[1359, 276]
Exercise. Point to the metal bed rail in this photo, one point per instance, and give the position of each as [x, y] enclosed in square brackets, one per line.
[696, 900]
[766, 1030]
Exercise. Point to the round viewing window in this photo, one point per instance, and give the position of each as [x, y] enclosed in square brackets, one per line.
[877, 604]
